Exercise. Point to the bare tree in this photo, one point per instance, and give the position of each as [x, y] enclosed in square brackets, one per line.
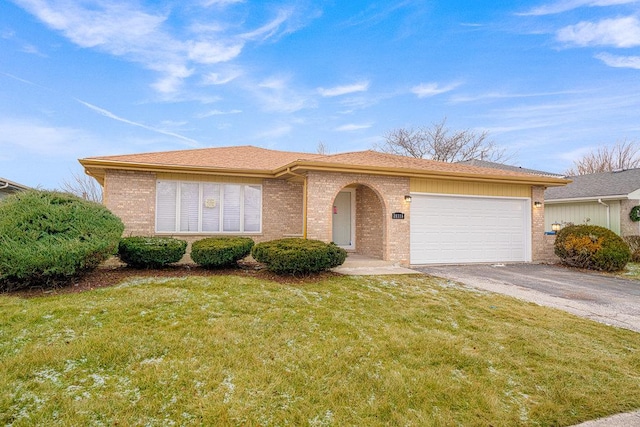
[83, 186]
[622, 155]
[322, 148]
[438, 142]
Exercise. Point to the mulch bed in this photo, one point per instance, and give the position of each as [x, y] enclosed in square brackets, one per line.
[112, 274]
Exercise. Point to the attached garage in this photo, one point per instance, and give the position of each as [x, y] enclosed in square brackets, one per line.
[450, 229]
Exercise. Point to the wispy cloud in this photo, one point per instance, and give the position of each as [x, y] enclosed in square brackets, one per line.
[146, 36]
[43, 139]
[618, 32]
[424, 90]
[362, 86]
[278, 94]
[567, 5]
[353, 127]
[490, 96]
[217, 113]
[112, 116]
[276, 132]
[619, 61]
[223, 3]
[271, 28]
[221, 77]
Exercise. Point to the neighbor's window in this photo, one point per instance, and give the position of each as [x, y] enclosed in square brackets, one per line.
[203, 207]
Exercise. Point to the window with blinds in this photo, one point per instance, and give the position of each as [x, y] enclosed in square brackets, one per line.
[205, 207]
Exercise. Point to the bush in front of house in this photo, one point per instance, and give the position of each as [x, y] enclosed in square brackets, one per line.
[217, 252]
[591, 247]
[634, 246]
[48, 237]
[298, 256]
[151, 252]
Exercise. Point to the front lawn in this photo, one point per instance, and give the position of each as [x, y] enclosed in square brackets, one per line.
[631, 271]
[230, 350]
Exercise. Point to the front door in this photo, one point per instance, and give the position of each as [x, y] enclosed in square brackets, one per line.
[343, 230]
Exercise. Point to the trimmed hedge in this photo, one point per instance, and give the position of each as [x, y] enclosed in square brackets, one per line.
[151, 252]
[591, 247]
[216, 252]
[49, 237]
[298, 256]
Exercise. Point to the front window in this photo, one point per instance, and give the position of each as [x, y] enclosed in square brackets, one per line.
[204, 207]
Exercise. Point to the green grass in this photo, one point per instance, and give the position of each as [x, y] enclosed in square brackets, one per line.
[631, 271]
[227, 350]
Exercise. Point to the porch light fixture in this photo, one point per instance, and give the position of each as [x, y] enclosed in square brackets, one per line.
[537, 204]
[407, 198]
[556, 227]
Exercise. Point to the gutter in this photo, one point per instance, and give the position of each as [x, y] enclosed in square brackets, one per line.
[587, 199]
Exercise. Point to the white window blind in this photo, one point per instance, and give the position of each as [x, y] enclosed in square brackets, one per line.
[197, 207]
[166, 192]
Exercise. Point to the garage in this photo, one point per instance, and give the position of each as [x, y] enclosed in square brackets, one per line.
[450, 229]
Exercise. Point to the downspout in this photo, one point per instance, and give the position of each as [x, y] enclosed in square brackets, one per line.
[608, 213]
[304, 201]
[5, 185]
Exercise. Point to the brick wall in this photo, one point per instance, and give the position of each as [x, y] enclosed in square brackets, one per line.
[132, 197]
[322, 190]
[628, 227]
[369, 223]
[538, 246]
[282, 214]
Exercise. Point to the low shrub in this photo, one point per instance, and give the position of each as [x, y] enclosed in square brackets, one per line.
[634, 246]
[151, 252]
[591, 247]
[216, 252]
[47, 238]
[298, 256]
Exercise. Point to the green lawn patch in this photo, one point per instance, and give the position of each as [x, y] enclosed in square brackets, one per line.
[631, 271]
[374, 351]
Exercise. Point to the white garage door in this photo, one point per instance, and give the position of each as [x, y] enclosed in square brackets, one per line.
[457, 229]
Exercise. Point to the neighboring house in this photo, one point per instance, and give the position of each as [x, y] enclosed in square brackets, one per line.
[502, 166]
[603, 199]
[9, 187]
[396, 208]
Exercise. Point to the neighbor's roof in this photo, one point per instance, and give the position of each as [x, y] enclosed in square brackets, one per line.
[262, 162]
[597, 185]
[494, 165]
[5, 183]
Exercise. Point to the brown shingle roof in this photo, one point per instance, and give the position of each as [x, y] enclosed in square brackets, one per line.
[377, 159]
[252, 161]
[241, 157]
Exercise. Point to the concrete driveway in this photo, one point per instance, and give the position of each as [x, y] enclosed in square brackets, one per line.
[599, 297]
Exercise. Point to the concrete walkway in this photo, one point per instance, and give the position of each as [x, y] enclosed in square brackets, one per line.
[361, 265]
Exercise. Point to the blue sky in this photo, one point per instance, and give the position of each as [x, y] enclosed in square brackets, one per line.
[549, 80]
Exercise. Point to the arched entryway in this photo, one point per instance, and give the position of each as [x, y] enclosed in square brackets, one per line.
[358, 220]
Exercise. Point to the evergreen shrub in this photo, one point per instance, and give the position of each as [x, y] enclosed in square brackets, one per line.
[296, 256]
[48, 237]
[151, 252]
[217, 252]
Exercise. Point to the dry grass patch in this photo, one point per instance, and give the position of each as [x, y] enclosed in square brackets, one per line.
[231, 350]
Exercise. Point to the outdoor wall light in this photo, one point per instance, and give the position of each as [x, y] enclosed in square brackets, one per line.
[537, 204]
[407, 198]
[556, 227]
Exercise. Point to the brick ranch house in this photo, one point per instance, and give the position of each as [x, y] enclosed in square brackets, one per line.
[395, 208]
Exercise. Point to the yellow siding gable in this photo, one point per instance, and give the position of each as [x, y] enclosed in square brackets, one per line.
[437, 186]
